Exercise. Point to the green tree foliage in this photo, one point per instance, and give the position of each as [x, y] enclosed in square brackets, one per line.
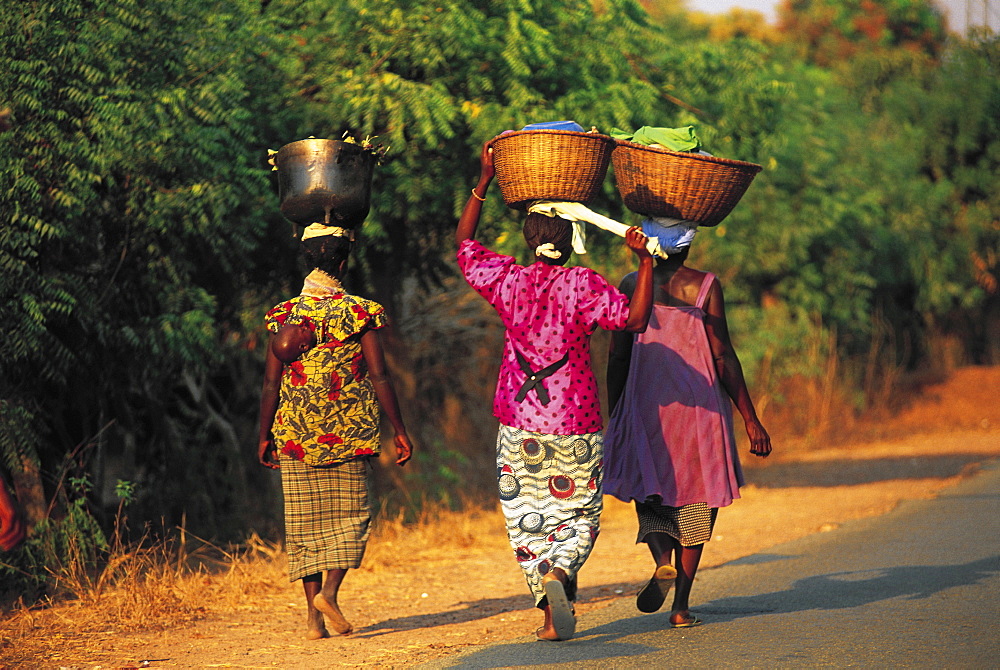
[831, 31]
[434, 80]
[947, 114]
[873, 221]
[132, 193]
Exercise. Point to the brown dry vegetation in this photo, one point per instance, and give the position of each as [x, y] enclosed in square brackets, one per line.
[448, 581]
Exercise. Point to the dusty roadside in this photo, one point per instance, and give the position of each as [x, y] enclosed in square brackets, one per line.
[443, 588]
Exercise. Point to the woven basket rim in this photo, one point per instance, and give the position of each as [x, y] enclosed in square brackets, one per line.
[545, 131]
[684, 154]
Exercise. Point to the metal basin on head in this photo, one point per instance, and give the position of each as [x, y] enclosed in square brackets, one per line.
[325, 181]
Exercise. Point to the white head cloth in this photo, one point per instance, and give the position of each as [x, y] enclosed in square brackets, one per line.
[548, 249]
[577, 213]
[319, 230]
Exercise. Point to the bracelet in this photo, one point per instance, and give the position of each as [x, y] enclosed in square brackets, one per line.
[476, 196]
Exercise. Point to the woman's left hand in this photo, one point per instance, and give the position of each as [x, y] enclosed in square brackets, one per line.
[760, 441]
[404, 450]
[636, 240]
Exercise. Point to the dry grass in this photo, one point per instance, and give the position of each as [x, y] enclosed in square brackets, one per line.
[161, 584]
[151, 585]
[435, 523]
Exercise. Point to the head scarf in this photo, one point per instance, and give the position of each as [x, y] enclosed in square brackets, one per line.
[672, 234]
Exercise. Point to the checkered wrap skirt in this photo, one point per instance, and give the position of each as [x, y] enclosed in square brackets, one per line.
[690, 524]
[327, 515]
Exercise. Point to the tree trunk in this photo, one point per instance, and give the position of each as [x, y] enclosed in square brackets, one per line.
[29, 491]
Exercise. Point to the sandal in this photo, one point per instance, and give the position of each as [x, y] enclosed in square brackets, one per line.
[688, 623]
[651, 596]
[562, 612]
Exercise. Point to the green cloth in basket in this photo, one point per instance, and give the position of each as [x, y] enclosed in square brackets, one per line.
[674, 139]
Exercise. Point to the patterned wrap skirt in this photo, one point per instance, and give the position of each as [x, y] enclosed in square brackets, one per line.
[551, 497]
[690, 525]
[327, 515]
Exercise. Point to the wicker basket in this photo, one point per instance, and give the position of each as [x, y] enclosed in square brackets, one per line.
[550, 165]
[659, 182]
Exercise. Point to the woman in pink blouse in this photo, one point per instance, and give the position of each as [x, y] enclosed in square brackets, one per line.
[550, 446]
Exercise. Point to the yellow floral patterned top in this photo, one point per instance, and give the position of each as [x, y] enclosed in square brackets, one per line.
[328, 412]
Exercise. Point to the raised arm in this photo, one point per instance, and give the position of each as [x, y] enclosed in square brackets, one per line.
[371, 348]
[641, 304]
[620, 352]
[469, 220]
[727, 365]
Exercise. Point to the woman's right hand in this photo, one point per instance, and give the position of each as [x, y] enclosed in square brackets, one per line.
[486, 166]
[267, 454]
[469, 221]
[760, 441]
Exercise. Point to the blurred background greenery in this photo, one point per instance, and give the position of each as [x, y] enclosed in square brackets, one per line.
[141, 241]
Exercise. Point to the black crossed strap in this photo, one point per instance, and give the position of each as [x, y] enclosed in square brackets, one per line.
[535, 377]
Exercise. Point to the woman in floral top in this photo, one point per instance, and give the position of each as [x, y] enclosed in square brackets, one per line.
[549, 447]
[319, 422]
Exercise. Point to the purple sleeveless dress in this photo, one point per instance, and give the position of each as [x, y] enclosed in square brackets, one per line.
[671, 433]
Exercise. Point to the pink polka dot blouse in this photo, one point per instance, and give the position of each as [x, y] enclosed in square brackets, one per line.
[549, 312]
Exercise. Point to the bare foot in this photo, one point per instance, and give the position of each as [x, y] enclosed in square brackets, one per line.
[315, 627]
[547, 634]
[317, 633]
[333, 614]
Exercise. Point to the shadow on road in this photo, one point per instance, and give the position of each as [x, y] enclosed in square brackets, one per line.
[840, 590]
[470, 611]
[486, 608]
[861, 471]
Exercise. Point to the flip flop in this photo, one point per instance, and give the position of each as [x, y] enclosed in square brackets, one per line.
[651, 596]
[691, 623]
[562, 612]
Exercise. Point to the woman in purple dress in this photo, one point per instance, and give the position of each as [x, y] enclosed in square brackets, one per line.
[669, 442]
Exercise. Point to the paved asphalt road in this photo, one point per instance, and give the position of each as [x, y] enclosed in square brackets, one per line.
[916, 588]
